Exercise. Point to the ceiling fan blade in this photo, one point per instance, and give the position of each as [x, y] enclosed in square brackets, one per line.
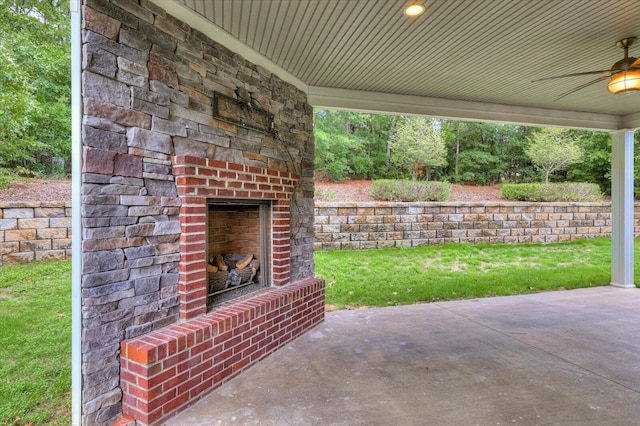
[609, 73]
[636, 64]
[597, 80]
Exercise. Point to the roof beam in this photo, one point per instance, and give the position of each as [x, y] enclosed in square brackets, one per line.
[388, 103]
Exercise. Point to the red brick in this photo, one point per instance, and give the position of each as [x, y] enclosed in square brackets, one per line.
[222, 356]
[123, 420]
[174, 382]
[189, 384]
[143, 370]
[197, 161]
[199, 369]
[156, 380]
[230, 361]
[183, 170]
[212, 372]
[216, 163]
[175, 359]
[127, 376]
[240, 365]
[201, 390]
[232, 342]
[136, 414]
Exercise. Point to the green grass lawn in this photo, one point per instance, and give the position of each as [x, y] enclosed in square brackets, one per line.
[35, 343]
[397, 276]
[35, 302]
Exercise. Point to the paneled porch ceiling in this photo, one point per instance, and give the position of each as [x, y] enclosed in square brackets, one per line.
[469, 59]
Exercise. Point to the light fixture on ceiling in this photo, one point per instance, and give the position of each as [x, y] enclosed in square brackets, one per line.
[414, 9]
[623, 76]
[627, 77]
[624, 82]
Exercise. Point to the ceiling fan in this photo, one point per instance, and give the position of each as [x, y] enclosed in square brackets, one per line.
[624, 75]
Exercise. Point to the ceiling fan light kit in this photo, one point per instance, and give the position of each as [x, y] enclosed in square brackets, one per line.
[625, 82]
[623, 76]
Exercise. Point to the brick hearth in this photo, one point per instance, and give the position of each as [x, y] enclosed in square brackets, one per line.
[165, 371]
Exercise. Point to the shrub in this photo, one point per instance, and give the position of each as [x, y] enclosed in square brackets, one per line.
[7, 176]
[566, 191]
[325, 194]
[410, 190]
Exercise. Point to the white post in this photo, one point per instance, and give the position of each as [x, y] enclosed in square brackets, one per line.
[76, 221]
[622, 222]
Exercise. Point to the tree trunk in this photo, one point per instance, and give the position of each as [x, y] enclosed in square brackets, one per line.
[457, 147]
[387, 160]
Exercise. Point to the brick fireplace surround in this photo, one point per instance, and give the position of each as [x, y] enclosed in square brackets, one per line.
[156, 149]
[175, 366]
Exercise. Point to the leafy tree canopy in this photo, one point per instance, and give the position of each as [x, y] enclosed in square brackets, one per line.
[553, 149]
[35, 81]
[417, 147]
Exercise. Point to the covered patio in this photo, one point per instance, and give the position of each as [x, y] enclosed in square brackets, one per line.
[178, 104]
[541, 359]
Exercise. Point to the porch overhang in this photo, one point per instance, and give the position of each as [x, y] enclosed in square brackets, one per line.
[503, 94]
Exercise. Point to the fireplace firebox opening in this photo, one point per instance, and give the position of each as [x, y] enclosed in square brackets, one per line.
[238, 248]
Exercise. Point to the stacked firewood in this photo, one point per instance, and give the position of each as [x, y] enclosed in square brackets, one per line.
[226, 271]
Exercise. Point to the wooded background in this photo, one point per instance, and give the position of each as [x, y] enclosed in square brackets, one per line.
[357, 145]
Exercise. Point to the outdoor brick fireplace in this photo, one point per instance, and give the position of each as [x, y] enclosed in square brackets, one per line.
[168, 369]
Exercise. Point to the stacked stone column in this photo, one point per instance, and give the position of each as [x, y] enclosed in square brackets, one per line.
[148, 83]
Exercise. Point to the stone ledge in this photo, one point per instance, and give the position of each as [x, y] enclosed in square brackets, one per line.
[33, 204]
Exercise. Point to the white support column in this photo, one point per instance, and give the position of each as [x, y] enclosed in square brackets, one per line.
[76, 223]
[622, 209]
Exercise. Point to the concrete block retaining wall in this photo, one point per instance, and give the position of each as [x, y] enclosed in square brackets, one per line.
[385, 224]
[31, 231]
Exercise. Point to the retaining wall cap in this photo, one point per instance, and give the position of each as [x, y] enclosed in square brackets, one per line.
[454, 203]
[33, 204]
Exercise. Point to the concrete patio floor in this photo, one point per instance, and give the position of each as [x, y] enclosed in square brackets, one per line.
[556, 358]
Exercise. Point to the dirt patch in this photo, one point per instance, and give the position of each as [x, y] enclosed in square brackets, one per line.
[37, 190]
[354, 190]
[360, 190]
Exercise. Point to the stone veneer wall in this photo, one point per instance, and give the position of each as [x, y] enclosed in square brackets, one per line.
[384, 224]
[32, 231]
[147, 82]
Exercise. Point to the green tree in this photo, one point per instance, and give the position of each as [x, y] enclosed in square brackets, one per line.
[350, 143]
[35, 83]
[417, 144]
[553, 149]
[486, 153]
[595, 166]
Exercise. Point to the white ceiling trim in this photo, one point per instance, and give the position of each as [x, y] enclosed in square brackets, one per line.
[631, 121]
[198, 22]
[321, 97]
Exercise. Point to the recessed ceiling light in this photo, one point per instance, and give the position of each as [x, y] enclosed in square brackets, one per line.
[414, 9]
